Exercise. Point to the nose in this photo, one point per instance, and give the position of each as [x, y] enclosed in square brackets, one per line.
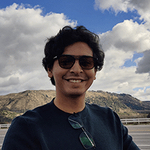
[76, 68]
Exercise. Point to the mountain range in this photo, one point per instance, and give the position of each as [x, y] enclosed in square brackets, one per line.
[124, 105]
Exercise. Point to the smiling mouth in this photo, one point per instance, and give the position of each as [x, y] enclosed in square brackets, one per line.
[74, 81]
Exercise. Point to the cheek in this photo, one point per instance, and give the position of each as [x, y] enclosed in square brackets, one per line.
[57, 76]
[93, 73]
[56, 70]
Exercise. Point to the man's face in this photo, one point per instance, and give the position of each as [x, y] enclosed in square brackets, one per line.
[74, 81]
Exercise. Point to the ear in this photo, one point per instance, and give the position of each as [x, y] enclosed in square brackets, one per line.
[50, 74]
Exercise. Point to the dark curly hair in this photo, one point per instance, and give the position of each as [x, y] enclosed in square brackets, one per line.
[67, 36]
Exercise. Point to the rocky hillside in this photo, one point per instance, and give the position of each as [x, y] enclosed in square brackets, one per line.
[15, 104]
[27, 100]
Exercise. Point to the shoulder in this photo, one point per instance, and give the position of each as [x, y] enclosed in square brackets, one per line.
[34, 116]
[105, 113]
[98, 109]
[27, 129]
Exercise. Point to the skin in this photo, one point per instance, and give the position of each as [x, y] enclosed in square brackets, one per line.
[72, 84]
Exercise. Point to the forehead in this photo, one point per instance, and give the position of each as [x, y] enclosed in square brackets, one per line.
[79, 48]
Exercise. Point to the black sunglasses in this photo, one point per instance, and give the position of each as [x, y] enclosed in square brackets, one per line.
[67, 61]
[85, 137]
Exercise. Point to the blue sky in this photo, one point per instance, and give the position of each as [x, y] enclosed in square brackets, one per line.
[123, 27]
[80, 10]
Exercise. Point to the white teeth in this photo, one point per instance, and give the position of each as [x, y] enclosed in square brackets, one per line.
[75, 81]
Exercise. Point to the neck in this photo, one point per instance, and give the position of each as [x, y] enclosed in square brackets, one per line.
[70, 104]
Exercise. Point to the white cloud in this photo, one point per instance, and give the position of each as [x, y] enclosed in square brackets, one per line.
[10, 81]
[22, 39]
[120, 44]
[115, 5]
[144, 63]
[142, 6]
[113, 78]
[127, 36]
[143, 94]
[23, 33]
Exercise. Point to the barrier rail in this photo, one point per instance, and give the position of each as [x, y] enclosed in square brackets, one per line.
[124, 121]
[2, 126]
[136, 120]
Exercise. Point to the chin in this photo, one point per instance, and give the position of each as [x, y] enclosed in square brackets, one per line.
[76, 94]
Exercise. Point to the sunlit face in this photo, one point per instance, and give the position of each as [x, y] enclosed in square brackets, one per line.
[74, 81]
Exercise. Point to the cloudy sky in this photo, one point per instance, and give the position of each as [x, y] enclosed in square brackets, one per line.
[123, 27]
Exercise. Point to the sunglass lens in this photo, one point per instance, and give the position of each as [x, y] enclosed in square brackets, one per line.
[66, 62]
[86, 140]
[87, 62]
[74, 124]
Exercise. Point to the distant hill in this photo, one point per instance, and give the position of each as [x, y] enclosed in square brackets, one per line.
[27, 100]
[124, 105]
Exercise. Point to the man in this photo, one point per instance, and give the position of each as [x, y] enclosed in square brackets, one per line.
[71, 60]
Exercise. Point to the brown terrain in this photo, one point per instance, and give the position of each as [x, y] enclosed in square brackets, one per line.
[124, 105]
